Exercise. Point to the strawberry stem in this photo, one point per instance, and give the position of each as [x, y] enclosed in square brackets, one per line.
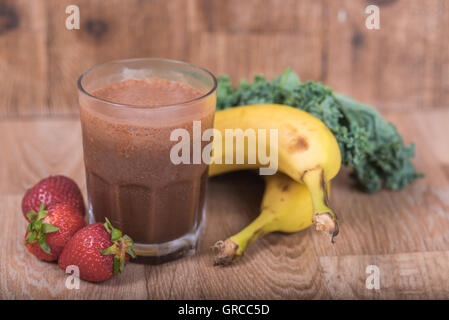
[37, 229]
[122, 245]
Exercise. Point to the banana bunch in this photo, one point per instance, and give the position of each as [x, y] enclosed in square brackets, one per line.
[308, 157]
[286, 207]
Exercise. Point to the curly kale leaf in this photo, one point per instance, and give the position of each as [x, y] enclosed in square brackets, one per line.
[368, 143]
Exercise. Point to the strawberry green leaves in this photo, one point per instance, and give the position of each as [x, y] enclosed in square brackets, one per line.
[118, 266]
[37, 229]
[42, 240]
[47, 228]
[122, 245]
[129, 246]
[116, 234]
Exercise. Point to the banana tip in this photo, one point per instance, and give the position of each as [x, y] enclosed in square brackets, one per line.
[325, 222]
[227, 252]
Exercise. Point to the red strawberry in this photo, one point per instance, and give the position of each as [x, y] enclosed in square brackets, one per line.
[99, 250]
[51, 190]
[49, 230]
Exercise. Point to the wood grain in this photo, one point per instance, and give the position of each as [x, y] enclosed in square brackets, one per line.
[23, 58]
[404, 233]
[111, 30]
[234, 39]
[402, 66]
[37, 148]
[420, 275]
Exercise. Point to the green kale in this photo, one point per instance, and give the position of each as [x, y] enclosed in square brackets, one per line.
[368, 143]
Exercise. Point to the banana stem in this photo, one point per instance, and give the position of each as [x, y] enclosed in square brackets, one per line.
[232, 249]
[324, 218]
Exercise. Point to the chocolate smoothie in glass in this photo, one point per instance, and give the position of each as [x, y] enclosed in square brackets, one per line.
[128, 111]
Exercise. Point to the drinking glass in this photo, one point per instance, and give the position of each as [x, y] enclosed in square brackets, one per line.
[131, 179]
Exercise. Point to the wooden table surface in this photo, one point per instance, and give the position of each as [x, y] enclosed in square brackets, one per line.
[405, 234]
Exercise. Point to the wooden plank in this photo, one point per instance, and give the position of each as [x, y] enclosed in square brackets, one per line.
[23, 58]
[36, 149]
[399, 65]
[262, 16]
[443, 70]
[404, 65]
[420, 275]
[433, 131]
[234, 40]
[231, 58]
[110, 30]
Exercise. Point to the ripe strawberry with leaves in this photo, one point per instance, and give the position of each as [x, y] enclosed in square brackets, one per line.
[99, 250]
[52, 190]
[49, 230]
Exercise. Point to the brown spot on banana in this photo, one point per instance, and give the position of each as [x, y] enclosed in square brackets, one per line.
[298, 144]
[292, 131]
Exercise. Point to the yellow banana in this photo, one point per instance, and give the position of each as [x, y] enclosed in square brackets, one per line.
[286, 207]
[307, 151]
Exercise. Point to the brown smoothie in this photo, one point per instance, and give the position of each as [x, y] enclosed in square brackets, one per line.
[130, 177]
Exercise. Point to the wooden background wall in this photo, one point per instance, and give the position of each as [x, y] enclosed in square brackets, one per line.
[403, 65]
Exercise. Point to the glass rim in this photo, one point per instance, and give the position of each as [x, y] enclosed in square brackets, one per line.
[117, 104]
